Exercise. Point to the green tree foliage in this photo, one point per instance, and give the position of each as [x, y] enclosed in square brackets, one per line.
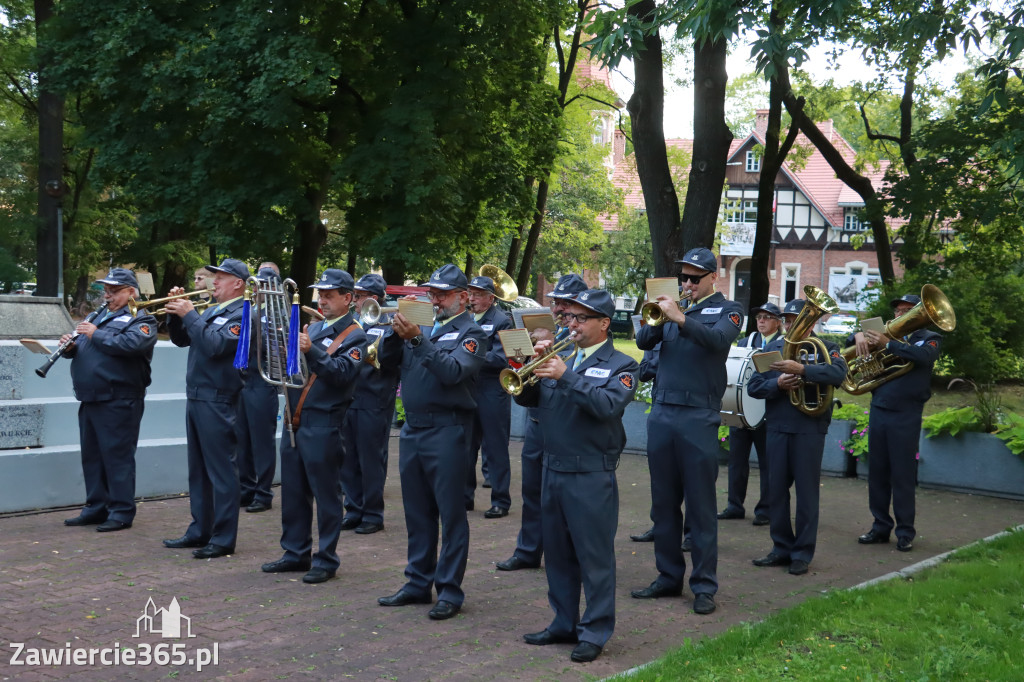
[236, 126]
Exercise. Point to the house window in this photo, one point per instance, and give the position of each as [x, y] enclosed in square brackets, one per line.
[852, 221]
[791, 281]
[753, 162]
[741, 211]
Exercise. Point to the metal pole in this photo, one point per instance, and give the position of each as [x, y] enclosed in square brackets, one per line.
[60, 251]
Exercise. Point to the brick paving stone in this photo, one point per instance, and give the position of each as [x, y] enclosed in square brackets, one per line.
[73, 585]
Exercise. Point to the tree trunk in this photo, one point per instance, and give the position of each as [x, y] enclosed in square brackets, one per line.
[873, 208]
[517, 241]
[647, 109]
[534, 236]
[393, 272]
[775, 153]
[49, 261]
[711, 140]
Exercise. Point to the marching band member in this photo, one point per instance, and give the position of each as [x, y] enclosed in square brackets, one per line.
[256, 427]
[110, 370]
[683, 428]
[795, 443]
[493, 419]
[896, 408]
[581, 404]
[368, 422]
[334, 350]
[439, 371]
[212, 385]
[530, 542]
[769, 325]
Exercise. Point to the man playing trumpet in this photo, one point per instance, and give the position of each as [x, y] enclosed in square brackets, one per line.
[212, 385]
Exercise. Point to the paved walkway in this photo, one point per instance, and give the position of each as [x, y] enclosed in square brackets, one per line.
[70, 588]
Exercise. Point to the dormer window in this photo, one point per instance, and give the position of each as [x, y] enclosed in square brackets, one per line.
[753, 162]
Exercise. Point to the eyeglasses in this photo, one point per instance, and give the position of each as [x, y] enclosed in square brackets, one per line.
[693, 278]
[569, 317]
[765, 318]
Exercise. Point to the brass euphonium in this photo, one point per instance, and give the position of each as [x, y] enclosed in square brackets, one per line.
[871, 371]
[817, 303]
[513, 381]
[652, 313]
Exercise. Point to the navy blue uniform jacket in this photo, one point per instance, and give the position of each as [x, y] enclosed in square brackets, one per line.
[114, 363]
[336, 373]
[212, 336]
[913, 389]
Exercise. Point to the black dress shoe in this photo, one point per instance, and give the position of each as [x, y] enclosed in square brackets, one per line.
[403, 598]
[585, 652]
[772, 559]
[514, 563]
[545, 637]
[285, 566]
[369, 528]
[495, 513]
[687, 544]
[443, 610]
[704, 603]
[798, 567]
[655, 591]
[646, 536]
[183, 542]
[350, 523]
[317, 575]
[110, 525]
[85, 520]
[730, 513]
[761, 520]
[873, 537]
[905, 544]
[212, 551]
[256, 507]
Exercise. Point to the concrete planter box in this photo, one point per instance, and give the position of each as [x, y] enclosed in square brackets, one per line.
[634, 420]
[971, 462]
[834, 460]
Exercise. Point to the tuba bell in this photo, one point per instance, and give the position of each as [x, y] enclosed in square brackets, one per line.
[505, 288]
[817, 304]
[871, 371]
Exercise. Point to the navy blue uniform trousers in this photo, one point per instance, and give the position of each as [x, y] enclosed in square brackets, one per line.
[365, 466]
[256, 430]
[109, 433]
[432, 462]
[310, 471]
[682, 454]
[530, 543]
[212, 475]
[580, 546]
[492, 424]
[795, 460]
[740, 442]
[892, 469]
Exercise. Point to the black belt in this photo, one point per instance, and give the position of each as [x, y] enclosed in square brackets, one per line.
[673, 397]
[212, 395]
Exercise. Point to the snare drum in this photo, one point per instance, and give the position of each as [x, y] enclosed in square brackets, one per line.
[739, 410]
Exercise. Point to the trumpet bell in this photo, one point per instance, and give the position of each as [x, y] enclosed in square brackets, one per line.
[653, 315]
[504, 286]
[370, 313]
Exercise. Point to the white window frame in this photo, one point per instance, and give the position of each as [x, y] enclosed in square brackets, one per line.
[753, 162]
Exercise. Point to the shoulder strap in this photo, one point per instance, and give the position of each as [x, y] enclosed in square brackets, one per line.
[312, 377]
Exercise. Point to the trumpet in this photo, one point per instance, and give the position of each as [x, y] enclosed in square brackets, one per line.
[513, 381]
[817, 303]
[371, 313]
[135, 306]
[652, 313]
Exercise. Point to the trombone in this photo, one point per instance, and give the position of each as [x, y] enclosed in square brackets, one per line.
[653, 315]
[513, 381]
[135, 306]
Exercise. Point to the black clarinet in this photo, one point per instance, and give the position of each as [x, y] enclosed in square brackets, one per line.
[59, 353]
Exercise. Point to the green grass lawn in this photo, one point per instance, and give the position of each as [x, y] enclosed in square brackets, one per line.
[961, 620]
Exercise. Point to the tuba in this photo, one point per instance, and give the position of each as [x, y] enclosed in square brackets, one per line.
[652, 314]
[812, 400]
[871, 371]
[513, 381]
[505, 288]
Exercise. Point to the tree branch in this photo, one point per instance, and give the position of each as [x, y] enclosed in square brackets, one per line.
[875, 136]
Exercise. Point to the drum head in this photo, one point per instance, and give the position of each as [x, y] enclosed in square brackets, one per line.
[739, 410]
